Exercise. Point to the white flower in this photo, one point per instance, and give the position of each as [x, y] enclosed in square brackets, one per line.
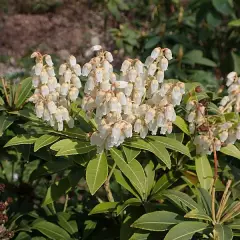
[125, 66]
[87, 67]
[60, 126]
[67, 76]
[52, 107]
[139, 67]
[73, 93]
[138, 126]
[143, 131]
[155, 53]
[72, 61]
[77, 69]
[39, 108]
[44, 77]
[48, 60]
[154, 86]
[50, 71]
[113, 104]
[190, 105]
[128, 89]
[132, 74]
[150, 114]
[44, 90]
[76, 81]
[191, 117]
[96, 48]
[164, 64]
[109, 56]
[99, 74]
[160, 76]
[38, 68]
[223, 136]
[122, 98]
[152, 69]
[62, 69]
[168, 53]
[35, 81]
[64, 89]
[231, 77]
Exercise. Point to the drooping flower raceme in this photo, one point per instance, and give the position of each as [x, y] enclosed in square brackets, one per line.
[52, 98]
[136, 101]
[210, 135]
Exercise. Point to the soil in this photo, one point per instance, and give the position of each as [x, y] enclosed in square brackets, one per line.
[71, 28]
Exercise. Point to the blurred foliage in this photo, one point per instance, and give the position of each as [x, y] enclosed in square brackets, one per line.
[204, 35]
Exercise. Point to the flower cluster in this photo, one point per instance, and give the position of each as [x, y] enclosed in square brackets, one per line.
[52, 98]
[212, 135]
[136, 101]
[232, 101]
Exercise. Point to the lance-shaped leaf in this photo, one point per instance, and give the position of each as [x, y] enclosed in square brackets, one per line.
[44, 141]
[223, 232]
[198, 214]
[104, 207]
[231, 150]
[133, 171]
[127, 203]
[182, 200]
[75, 148]
[185, 230]
[204, 171]
[157, 221]
[51, 230]
[5, 123]
[97, 171]
[235, 224]
[21, 139]
[25, 89]
[172, 144]
[130, 153]
[179, 122]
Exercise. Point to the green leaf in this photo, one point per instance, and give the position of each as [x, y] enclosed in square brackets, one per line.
[231, 150]
[21, 139]
[133, 171]
[185, 230]
[157, 221]
[152, 42]
[70, 226]
[236, 61]
[161, 152]
[222, 6]
[180, 123]
[25, 89]
[138, 143]
[51, 230]
[104, 207]
[235, 224]
[205, 200]
[127, 203]
[75, 148]
[234, 23]
[150, 176]
[204, 171]
[198, 214]
[124, 183]
[97, 171]
[44, 141]
[23, 236]
[60, 144]
[89, 228]
[130, 153]
[140, 236]
[182, 200]
[213, 108]
[223, 232]
[165, 182]
[5, 123]
[171, 144]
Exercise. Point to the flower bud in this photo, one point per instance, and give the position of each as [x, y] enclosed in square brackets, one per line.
[76, 81]
[39, 108]
[137, 126]
[62, 69]
[152, 69]
[132, 74]
[139, 67]
[67, 76]
[99, 74]
[96, 48]
[64, 89]
[160, 76]
[154, 86]
[168, 54]
[87, 67]
[125, 66]
[44, 77]
[35, 81]
[52, 107]
[109, 56]
[44, 90]
[72, 61]
[128, 89]
[73, 94]
[38, 68]
[164, 64]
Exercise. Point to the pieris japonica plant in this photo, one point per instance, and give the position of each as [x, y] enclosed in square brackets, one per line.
[152, 152]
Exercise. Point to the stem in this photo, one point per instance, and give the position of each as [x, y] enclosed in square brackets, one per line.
[213, 205]
[215, 164]
[5, 91]
[107, 185]
[66, 203]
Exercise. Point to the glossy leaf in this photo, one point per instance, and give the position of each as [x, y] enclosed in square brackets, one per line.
[204, 171]
[97, 172]
[51, 230]
[127, 203]
[198, 214]
[44, 141]
[133, 171]
[231, 150]
[63, 220]
[130, 153]
[75, 148]
[5, 123]
[21, 139]
[180, 123]
[105, 207]
[223, 232]
[171, 144]
[157, 221]
[25, 89]
[185, 230]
